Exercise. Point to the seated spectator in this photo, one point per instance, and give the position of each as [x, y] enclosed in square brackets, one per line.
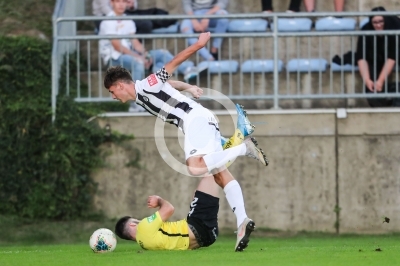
[103, 8]
[376, 56]
[142, 26]
[294, 5]
[146, 26]
[100, 8]
[130, 53]
[220, 25]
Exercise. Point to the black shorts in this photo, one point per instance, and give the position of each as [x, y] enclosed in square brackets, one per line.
[203, 218]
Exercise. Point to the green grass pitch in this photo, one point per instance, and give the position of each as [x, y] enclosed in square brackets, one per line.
[303, 249]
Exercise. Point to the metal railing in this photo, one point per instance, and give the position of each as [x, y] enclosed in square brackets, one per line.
[78, 68]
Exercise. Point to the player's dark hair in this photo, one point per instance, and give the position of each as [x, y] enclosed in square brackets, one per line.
[120, 228]
[115, 74]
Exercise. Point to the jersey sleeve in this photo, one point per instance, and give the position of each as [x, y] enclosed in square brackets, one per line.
[163, 75]
[154, 82]
[151, 224]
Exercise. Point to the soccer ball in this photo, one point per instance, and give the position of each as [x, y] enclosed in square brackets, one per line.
[103, 240]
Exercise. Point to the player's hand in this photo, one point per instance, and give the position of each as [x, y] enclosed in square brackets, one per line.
[204, 38]
[195, 91]
[153, 201]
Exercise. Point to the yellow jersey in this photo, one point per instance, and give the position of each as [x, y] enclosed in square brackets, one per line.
[154, 234]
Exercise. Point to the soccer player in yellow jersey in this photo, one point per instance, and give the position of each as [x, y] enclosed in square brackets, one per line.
[199, 229]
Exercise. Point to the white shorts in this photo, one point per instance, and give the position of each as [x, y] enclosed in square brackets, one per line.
[202, 134]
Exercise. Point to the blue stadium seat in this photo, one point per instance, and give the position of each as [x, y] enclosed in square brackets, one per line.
[247, 25]
[345, 68]
[260, 65]
[171, 29]
[335, 24]
[293, 24]
[306, 65]
[363, 22]
[222, 66]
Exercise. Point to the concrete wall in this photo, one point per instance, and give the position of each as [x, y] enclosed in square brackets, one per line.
[315, 161]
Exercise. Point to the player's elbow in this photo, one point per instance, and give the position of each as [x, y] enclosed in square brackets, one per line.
[169, 212]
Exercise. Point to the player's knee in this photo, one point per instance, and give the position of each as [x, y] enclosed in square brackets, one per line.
[196, 171]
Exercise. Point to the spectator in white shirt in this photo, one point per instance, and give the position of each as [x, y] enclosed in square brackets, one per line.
[130, 53]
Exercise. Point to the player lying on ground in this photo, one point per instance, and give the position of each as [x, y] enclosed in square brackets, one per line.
[199, 229]
[202, 143]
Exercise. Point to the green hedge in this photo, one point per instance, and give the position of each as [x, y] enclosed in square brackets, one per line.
[44, 168]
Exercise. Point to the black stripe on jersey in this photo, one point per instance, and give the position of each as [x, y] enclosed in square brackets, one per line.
[168, 234]
[153, 109]
[173, 119]
[184, 106]
[212, 124]
[170, 101]
[170, 118]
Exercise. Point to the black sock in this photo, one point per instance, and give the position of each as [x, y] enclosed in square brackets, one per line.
[215, 55]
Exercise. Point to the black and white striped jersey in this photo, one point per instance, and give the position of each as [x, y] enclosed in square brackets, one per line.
[160, 99]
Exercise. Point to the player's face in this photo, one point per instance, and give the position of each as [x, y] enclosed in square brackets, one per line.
[118, 92]
[132, 227]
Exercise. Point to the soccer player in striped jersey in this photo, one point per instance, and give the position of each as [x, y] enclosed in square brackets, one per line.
[200, 228]
[202, 144]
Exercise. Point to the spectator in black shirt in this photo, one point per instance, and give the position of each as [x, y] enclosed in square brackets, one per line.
[376, 56]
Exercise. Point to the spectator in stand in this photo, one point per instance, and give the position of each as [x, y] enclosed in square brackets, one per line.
[103, 8]
[220, 25]
[130, 53]
[142, 26]
[100, 8]
[146, 26]
[294, 5]
[376, 56]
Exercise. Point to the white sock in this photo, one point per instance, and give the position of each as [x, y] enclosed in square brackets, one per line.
[234, 195]
[220, 158]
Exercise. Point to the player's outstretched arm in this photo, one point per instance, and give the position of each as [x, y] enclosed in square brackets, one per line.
[166, 209]
[182, 86]
[172, 65]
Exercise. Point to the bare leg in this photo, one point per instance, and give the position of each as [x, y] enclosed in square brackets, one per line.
[309, 5]
[339, 5]
[208, 186]
[223, 177]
